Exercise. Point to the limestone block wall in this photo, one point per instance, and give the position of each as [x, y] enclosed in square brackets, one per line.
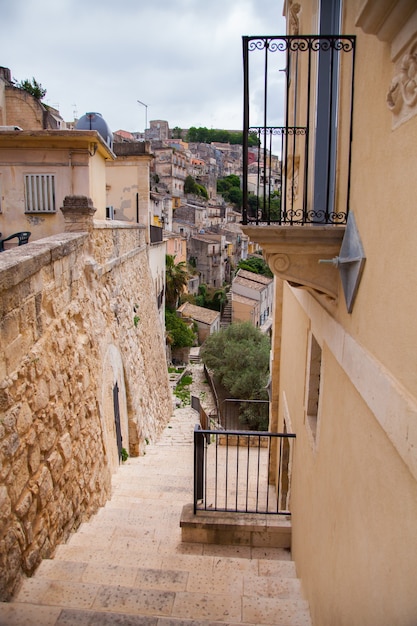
[77, 316]
[23, 110]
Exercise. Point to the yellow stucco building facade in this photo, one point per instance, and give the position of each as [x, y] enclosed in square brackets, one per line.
[344, 367]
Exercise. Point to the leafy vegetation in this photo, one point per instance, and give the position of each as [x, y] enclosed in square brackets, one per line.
[257, 265]
[229, 187]
[33, 87]
[182, 390]
[191, 186]
[176, 279]
[179, 333]
[207, 297]
[271, 207]
[206, 135]
[238, 357]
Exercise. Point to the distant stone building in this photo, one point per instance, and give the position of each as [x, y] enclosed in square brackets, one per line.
[170, 167]
[207, 320]
[207, 252]
[20, 109]
[158, 130]
[255, 287]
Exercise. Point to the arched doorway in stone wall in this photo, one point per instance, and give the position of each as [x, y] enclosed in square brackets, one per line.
[114, 405]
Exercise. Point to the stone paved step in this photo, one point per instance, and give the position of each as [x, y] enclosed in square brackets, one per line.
[128, 566]
[213, 602]
[22, 615]
[187, 573]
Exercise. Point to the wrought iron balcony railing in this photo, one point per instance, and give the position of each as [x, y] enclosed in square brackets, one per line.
[298, 108]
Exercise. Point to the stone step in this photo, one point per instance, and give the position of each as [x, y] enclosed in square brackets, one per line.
[194, 556]
[173, 574]
[128, 566]
[19, 614]
[233, 597]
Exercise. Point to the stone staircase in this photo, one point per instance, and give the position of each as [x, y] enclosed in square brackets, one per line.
[226, 318]
[128, 565]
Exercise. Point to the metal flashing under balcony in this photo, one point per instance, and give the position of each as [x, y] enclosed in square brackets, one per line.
[294, 253]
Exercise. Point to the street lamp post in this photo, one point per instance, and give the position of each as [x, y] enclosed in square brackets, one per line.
[146, 113]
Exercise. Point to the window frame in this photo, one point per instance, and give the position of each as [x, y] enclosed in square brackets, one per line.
[40, 193]
[314, 382]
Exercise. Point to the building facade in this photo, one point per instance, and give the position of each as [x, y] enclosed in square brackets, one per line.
[207, 320]
[343, 252]
[247, 287]
[38, 169]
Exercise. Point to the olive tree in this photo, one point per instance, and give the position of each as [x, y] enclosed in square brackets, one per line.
[238, 357]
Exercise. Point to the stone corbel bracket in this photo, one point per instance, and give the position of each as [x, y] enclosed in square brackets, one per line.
[293, 254]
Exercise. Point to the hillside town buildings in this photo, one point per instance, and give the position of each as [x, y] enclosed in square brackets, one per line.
[82, 303]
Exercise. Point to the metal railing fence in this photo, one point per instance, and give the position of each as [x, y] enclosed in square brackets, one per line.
[297, 141]
[242, 471]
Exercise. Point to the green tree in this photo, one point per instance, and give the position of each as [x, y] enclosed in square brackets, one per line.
[205, 135]
[176, 279]
[202, 191]
[191, 186]
[179, 333]
[256, 265]
[247, 346]
[219, 299]
[226, 183]
[176, 132]
[271, 209]
[208, 297]
[33, 87]
[229, 187]
[235, 196]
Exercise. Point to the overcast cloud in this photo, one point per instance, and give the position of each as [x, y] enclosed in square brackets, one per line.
[183, 58]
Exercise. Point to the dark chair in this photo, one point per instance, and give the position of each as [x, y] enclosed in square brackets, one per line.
[22, 237]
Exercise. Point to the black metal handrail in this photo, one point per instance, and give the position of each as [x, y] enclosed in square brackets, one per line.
[242, 471]
[315, 107]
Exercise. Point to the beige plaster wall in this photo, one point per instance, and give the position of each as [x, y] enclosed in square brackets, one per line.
[177, 247]
[354, 500]
[97, 184]
[383, 200]
[68, 334]
[127, 177]
[354, 488]
[242, 312]
[76, 173]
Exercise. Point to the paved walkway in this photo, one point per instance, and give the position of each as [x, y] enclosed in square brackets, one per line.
[127, 565]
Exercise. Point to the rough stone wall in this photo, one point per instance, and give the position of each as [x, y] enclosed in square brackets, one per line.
[23, 110]
[77, 314]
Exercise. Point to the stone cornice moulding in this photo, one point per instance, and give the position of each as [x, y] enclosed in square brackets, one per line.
[396, 23]
[385, 18]
[293, 254]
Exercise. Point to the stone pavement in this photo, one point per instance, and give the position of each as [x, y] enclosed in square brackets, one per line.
[127, 566]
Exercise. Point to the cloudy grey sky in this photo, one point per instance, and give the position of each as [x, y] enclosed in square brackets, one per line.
[183, 58]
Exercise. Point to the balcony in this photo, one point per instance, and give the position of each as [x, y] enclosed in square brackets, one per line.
[304, 117]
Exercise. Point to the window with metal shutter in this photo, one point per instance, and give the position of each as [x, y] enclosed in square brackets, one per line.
[40, 193]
